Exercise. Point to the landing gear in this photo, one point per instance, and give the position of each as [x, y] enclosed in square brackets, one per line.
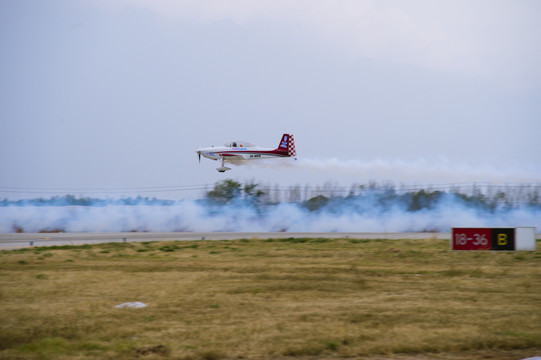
[223, 168]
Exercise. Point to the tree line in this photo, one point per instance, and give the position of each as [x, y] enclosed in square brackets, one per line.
[484, 197]
[333, 197]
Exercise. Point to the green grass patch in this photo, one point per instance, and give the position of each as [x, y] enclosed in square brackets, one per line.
[269, 299]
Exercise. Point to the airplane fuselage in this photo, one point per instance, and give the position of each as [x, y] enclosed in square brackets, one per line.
[239, 151]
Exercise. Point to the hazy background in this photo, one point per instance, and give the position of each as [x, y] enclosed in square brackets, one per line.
[100, 95]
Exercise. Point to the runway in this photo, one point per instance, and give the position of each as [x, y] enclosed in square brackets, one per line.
[16, 241]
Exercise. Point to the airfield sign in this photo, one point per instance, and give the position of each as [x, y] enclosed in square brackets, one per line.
[506, 239]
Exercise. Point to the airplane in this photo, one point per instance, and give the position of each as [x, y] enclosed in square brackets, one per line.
[237, 151]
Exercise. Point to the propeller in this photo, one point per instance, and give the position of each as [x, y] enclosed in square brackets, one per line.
[198, 153]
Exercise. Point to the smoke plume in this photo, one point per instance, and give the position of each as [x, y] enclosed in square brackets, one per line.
[412, 170]
[377, 210]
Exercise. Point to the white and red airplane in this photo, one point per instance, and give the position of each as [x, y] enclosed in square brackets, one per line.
[238, 151]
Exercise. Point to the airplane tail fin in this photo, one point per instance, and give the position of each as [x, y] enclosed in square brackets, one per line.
[287, 144]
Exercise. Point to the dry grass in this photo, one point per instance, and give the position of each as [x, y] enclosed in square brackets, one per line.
[269, 299]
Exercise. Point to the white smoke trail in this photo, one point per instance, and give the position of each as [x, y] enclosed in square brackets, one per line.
[419, 169]
[363, 215]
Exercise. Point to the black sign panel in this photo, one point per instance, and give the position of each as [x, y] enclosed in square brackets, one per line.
[503, 239]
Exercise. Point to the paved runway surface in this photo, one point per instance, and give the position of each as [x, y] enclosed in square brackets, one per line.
[14, 241]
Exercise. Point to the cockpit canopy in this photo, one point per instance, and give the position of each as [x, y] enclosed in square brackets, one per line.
[239, 143]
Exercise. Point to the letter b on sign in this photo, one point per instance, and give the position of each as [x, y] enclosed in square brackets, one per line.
[503, 239]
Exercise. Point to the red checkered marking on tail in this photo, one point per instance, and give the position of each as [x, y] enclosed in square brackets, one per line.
[291, 147]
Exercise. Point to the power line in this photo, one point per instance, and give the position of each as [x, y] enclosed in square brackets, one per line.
[104, 190]
[325, 188]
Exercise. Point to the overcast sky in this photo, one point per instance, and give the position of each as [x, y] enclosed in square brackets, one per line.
[119, 94]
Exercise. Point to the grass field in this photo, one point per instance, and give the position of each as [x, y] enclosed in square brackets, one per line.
[269, 299]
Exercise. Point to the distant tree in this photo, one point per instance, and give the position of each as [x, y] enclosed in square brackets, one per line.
[533, 198]
[316, 202]
[225, 191]
[422, 199]
[294, 193]
[252, 194]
